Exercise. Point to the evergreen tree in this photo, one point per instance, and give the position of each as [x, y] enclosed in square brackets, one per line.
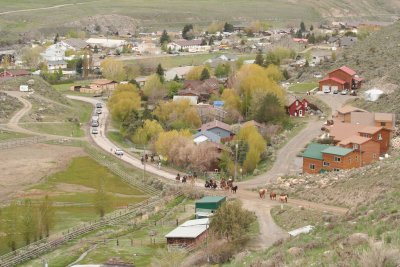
[176, 78]
[96, 49]
[311, 38]
[186, 32]
[205, 74]
[164, 37]
[307, 64]
[160, 72]
[302, 27]
[259, 58]
[211, 41]
[311, 28]
[101, 200]
[228, 27]
[270, 110]
[79, 66]
[57, 38]
[204, 42]
[285, 74]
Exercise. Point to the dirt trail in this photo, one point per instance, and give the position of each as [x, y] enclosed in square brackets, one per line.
[43, 8]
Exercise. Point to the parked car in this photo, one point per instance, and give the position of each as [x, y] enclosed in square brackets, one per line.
[95, 124]
[327, 90]
[118, 152]
[336, 91]
[353, 93]
[95, 130]
[98, 111]
[344, 92]
[99, 105]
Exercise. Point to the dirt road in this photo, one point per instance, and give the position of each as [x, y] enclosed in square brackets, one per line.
[269, 231]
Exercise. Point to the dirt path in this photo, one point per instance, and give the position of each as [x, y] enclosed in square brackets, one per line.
[43, 8]
[269, 231]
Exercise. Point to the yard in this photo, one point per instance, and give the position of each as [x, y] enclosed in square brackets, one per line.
[8, 135]
[302, 87]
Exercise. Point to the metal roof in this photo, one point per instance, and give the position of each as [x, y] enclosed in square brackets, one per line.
[314, 151]
[335, 150]
[210, 199]
[206, 135]
[189, 229]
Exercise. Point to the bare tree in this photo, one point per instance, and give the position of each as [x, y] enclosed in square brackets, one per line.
[101, 199]
[46, 216]
[29, 222]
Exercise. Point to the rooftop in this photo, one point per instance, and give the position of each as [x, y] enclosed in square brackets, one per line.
[206, 136]
[76, 43]
[370, 129]
[355, 139]
[336, 150]
[211, 199]
[189, 229]
[341, 131]
[347, 70]
[102, 81]
[314, 150]
[333, 79]
[348, 109]
[389, 117]
[216, 124]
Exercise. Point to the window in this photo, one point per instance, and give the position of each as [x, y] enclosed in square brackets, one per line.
[374, 156]
[355, 146]
[383, 124]
[297, 103]
[380, 136]
[337, 159]
[365, 135]
[312, 167]
[336, 169]
[326, 164]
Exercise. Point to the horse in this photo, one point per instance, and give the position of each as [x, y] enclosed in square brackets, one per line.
[214, 185]
[207, 184]
[272, 196]
[178, 177]
[222, 183]
[184, 179]
[234, 189]
[283, 198]
[262, 192]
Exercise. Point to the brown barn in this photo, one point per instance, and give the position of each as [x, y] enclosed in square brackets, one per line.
[189, 234]
[340, 79]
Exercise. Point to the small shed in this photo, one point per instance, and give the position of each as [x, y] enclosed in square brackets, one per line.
[373, 94]
[206, 206]
[190, 233]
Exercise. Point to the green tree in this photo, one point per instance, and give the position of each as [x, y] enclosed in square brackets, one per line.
[187, 32]
[270, 110]
[113, 69]
[302, 27]
[160, 72]
[203, 42]
[46, 213]
[173, 88]
[148, 132]
[228, 27]
[29, 222]
[259, 59]
[311, 38]
[205, 74]
[153, 89]
[177, 115]
[286, 74]
[222, 70]
[211, 41]
[123, 101]
[165, 38]
[10, 227]
[232, 222]
[272, 58]
[57, 38]
[101, 199]
[311, 28]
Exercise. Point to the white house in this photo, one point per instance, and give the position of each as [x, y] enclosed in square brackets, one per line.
[105, 42]
[54, 52]
[191, 46]
[56, 65]
[74, 44]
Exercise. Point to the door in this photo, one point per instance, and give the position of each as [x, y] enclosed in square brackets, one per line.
[326, 89]
[300, 113]
[333, 88]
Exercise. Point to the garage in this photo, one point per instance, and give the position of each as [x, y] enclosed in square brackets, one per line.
[334, 88]
[326, 88]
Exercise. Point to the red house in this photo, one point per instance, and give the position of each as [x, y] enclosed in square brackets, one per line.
[14, 73]
[297, 108]
[340, 79]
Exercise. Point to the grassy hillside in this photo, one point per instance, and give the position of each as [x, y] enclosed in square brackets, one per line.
[368, 235]
[174, 13]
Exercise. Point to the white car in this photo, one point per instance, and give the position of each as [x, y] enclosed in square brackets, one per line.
[118, 152]
[98, 111]
[95, 130]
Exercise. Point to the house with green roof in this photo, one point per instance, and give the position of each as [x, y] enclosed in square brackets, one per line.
[318, 158]
[206, 206]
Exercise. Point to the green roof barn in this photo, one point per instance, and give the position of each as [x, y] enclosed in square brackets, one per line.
[207, 205]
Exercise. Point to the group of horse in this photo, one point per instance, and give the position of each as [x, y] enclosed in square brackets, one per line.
[224, 184]
[272, 195]
[185, 178]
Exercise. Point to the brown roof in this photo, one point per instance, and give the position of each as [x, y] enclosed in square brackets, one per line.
[384, 117]
[341, 131]
[19, 72]
[370, 129]
[216, 124]
[364, 118]
[348, 109]
[102, 81]
[354, 139]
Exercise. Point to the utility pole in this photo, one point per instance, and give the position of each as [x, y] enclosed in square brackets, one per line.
[236, 158]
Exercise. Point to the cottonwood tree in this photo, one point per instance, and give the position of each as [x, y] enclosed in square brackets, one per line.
[195, 73]
[29, 221]
[101, 198]
[232, 222]
[148, 132]
[177, 115]
[203, 156]
[31, 56]
[46, 216]
[153, 89]
[113, 69]
[10, 226]
[205, 74]
[256, 146]
[123, 101]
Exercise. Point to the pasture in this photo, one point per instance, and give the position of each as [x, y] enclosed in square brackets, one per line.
[302, 87]
[8, 135]
[73, 192]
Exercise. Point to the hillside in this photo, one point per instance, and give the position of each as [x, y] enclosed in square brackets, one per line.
[368, 235]
[30, 19]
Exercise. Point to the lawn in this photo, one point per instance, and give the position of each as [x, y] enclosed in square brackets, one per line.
[303, 87]
[117, 138]
[290, 218]
[7, 135]
[69, 129]
[76, 187]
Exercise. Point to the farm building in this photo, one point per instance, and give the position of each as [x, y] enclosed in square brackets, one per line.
[190, 233]
[206, 206]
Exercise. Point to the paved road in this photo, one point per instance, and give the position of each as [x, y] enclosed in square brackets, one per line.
[269, 231]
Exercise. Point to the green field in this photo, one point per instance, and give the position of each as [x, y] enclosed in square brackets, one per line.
[302, 87]
[182, 60]
[62, 129]
[7, 135]
[74, 189]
